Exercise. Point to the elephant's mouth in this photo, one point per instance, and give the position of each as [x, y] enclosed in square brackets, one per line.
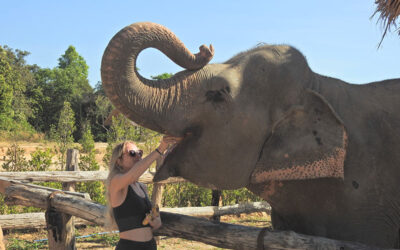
[170, 151]
[178, 155]
[168, 167]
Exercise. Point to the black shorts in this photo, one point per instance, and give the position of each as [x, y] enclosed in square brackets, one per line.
[124, 244]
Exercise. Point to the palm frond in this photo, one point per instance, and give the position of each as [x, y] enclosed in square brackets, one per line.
[389, 11]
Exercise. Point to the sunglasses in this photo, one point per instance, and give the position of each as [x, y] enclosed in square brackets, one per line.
[134, 153]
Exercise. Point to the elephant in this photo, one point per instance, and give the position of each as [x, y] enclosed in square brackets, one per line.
[324, 153]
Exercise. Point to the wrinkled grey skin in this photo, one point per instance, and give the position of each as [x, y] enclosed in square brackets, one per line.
[324, 153]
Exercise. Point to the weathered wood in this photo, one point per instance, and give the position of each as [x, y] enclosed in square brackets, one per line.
[60, 226]
[182, 226]
[31, 220]
[216, 201]
[72, 165]
[55, 176]
[37, 220]
[7, 182]
[20, 194]
[74, 176]
[4, 185]
[243, 237]
[220, 211]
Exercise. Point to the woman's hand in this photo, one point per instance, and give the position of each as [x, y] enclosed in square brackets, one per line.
[168, 140]
[155, 223]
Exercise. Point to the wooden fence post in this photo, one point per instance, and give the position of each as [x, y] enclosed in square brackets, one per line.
[216, 201]
[60, 226]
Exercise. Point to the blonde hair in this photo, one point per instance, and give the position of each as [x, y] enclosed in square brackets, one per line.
[114, 168]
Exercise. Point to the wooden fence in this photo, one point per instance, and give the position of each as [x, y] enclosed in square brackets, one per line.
[61, 205]
[69, 178]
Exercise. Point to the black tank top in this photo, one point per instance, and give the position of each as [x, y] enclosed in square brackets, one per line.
[131, 213]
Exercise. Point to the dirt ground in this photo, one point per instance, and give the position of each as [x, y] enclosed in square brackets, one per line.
[260, 219]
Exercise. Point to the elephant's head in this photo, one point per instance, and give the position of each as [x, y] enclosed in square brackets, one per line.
[250, 119]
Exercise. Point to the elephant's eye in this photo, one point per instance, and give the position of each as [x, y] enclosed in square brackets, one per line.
[214, 96]
[217, 95]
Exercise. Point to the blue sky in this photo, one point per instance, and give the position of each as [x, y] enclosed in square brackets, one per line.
[337, 37]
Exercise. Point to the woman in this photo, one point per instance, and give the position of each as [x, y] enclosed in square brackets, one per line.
[128, 199]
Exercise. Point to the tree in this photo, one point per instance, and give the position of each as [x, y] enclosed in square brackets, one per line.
[65, 129]
[37, 99]
[99, 112]
[75, 72]
[49, 100]
[6, 93]
[87, 142]
[88, 163]
[67, 82]
[162, 76]
[14, 78]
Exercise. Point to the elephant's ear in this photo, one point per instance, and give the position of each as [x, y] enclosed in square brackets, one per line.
[309, 142]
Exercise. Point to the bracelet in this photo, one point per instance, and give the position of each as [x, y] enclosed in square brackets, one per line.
[158, 151]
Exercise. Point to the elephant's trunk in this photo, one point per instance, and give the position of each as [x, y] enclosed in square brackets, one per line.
[147, 102]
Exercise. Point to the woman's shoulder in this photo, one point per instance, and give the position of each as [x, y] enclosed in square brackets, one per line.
[116, 183]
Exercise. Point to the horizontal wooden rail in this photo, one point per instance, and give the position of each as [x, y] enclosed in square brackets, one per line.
[31, 220]
[27, 195]
[73, 176]
[210, 211]
[37, 220]
[175, 225]
[79, 194]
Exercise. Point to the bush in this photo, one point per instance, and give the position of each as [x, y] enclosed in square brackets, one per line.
[15, 161]
[88, 162]
[41, 160]
[187, 194]
[242, 195]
